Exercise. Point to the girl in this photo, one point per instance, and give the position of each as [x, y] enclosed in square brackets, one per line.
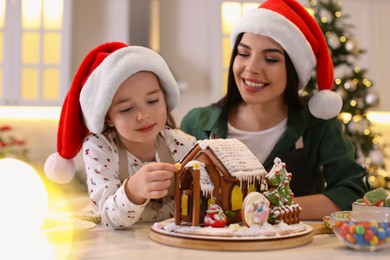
[276, 47]
[118, 108]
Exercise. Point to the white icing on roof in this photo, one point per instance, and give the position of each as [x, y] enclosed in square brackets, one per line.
[236, 157]
[206, 185]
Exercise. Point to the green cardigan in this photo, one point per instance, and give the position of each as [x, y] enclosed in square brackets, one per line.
[328, 151]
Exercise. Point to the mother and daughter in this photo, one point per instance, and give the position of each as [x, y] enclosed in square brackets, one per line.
[117, 111]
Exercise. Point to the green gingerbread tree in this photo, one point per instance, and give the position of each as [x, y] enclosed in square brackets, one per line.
[354, 87]
[279, 193]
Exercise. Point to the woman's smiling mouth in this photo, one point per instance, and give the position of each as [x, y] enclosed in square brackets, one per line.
[253, 85]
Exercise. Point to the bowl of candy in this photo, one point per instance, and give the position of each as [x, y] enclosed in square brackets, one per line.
[377, 200]
[368, 230]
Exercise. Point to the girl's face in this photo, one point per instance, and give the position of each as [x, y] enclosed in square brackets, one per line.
[260, 70]
[138, 111]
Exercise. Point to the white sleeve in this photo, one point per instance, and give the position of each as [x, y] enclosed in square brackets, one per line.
[179, 143]
[104, 188]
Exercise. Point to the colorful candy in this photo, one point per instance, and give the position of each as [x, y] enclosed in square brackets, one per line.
[363, 233]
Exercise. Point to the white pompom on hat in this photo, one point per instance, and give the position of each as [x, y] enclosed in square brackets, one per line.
[89, 98]
[288, 23]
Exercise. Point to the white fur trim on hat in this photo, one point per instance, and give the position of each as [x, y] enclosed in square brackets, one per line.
[325, 104]
[99, 89]
[274, 25]
[58, 169]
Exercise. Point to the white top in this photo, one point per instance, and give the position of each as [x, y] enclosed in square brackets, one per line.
[107, 192]
[260, 143]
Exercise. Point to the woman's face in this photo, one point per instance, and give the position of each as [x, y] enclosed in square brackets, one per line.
[138, 111]
[260, 70]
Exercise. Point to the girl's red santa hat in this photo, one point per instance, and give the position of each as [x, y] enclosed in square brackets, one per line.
[89, 98]
[288, 23]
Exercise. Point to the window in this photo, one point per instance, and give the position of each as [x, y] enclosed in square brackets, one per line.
[34, 51]
[231, 12]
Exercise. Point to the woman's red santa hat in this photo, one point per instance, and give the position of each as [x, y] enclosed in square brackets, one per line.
[89, 98]
[288, 23]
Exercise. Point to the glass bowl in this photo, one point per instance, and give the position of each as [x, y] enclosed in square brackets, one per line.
[368, 230]
[362, 207]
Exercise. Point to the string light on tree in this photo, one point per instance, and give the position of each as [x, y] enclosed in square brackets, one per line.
[354, 87]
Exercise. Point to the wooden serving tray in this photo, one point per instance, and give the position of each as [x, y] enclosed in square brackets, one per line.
[320, 228]
[231, 243]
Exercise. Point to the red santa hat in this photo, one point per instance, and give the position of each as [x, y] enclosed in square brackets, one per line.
[90, 96]
[288, 23]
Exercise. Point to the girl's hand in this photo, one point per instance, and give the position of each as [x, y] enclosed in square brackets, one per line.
[150, 182]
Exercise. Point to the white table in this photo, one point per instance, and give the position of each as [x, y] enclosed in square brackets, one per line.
[135, 243]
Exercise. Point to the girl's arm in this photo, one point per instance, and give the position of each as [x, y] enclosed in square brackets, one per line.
[105, 190]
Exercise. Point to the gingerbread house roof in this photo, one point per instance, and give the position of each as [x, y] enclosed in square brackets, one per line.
[238, 160]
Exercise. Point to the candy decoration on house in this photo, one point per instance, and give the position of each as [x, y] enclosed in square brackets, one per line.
[255, 209]
[215, 217]
[357, 91]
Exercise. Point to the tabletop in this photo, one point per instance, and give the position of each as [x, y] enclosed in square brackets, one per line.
[135, 243]
[92, 241]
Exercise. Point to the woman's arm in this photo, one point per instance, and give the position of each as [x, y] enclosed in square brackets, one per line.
[315, 207]
[333, 153]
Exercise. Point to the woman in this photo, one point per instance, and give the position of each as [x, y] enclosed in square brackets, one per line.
[276, 47]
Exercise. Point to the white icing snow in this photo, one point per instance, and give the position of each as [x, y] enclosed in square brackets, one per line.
[236, 157]
[266, 230]
[206, 185]
[277, 167]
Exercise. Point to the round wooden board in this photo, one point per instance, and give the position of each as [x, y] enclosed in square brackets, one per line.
[320, 228]
[230, 245]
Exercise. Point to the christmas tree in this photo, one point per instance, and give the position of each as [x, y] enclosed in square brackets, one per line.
[354, 87]
[279, 193]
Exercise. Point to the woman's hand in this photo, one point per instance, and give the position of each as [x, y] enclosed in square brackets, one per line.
[152, 181]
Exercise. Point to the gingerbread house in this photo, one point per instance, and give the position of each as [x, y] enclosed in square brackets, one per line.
[218, 171]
